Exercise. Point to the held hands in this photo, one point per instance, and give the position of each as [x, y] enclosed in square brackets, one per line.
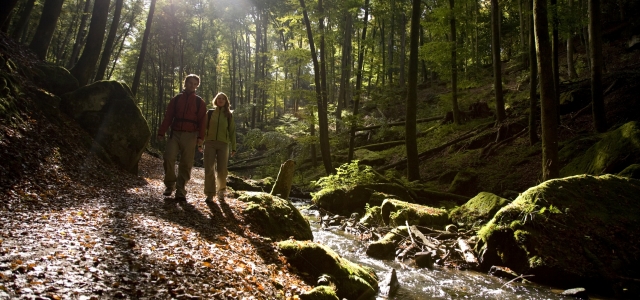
[200, 145]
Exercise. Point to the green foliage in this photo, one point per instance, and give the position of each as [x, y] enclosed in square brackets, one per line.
[347, 176]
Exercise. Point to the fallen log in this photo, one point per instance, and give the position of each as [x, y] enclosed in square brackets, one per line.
[381, 146]
[467, 252]
[401, 123]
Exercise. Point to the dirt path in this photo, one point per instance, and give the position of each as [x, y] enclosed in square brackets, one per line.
[120, 238]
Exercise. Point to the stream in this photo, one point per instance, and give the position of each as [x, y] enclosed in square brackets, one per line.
[422, 283]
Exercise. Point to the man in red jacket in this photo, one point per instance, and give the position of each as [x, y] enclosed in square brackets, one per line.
[186, 114]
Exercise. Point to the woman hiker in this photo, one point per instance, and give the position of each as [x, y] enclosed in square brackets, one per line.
[220, 137]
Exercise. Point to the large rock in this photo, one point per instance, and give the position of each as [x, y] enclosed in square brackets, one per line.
[275, 217]
[351, 280]
[479, 209]
[613, 153]
[107, 110]
[346, 201]
[385, 248]
[398, 213]
[577, 231]
[465, 183]
[53, 78]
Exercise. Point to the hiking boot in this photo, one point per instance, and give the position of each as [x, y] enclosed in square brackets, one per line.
[220, 195]
[209, 199]
[181, 198]
[168, 191]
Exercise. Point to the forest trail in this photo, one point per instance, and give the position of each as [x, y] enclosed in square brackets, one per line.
[123, 239]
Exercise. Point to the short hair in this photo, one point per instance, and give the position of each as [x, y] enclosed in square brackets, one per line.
[184, 83]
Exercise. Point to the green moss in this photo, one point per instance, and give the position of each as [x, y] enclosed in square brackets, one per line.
[275, 217]
[480, 208]
[397, 213]
[320, 293]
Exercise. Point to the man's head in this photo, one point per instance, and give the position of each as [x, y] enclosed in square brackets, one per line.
[191, 83]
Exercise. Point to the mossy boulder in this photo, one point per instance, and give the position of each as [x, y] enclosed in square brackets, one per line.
[108, 112]
[385, 248]
[465, 183]
[613, 153]
[632, 171]
[275, 217]
[372, 217]
[240, 184]
[320, 293]
[479, 209]
[351, 280]
[576, 231]
[54, 79]
[397, 213]
[344, 201]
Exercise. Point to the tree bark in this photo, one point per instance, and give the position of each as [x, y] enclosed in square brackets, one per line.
[571, 70]
[533, 82]
[413, 164]
[454, 66]
[358, 93]
[108, 45]
[497, 64]
[5, 11]
[47, 25]
[282, 187]
[23, 19]
[83, 70]
[143, 49]
[322, 112]
[549, 118]
[555, 43]
[80, 35]
[595, 47]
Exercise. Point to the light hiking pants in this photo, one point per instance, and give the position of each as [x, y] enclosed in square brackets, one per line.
[183, 143]
[216, 156]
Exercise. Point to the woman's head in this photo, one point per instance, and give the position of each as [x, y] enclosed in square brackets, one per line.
[221, 100]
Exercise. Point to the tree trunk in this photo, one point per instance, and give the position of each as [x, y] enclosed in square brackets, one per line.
[523, 43]
[322, 112]
[83, 70]
[80, 35]
[345, 83]
[108, 46]
[497, 64]
[555, 43]
[454, 66]
[392, 30]
[549, 118]
[5, 11]
[47, 25]
[595, 47]
[23, 19]
[413, 164]
[356, 102]
[533, 81]
[403, 47]
[282, 187]
[143, 49]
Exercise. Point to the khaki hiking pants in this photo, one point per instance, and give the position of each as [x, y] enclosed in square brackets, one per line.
[216, 156]
[183, 143]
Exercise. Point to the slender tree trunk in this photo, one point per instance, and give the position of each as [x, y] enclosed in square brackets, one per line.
[497, 64]
[81, 34]
[403, 46]
[5, 11]
[413, 163]
[534, 113]
[323, 121]
[23, 20]
[555, 44]
[392, 30]
[550, 165]
[143, 49]
[595, 45]
[108, 46]
[345, 83]
[83, 70]
[523, 44]
[454, 66]
[356, 102]
[47, 25]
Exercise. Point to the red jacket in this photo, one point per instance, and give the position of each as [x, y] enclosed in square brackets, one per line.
[185, 112]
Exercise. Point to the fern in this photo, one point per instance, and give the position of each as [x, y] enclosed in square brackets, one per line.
[347, 176]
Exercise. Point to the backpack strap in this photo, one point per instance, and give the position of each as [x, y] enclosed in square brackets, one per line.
[209, 113]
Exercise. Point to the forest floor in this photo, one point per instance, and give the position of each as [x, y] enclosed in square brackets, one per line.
[105, 241]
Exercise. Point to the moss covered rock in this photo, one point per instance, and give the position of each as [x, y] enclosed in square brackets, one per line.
[479, 209]
[275, 217]
[108, 112]
[368, 157]
[54, 79]
[575, 231]
[320, 293]
[372, 217]
[352, 281]
[465, 183]
[396, 213]
[613, 153]
[344, 201]
[385, 248]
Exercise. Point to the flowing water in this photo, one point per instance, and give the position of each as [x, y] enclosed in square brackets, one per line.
[422, 283]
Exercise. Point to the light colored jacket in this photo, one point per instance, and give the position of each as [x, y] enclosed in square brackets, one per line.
[220, 129]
